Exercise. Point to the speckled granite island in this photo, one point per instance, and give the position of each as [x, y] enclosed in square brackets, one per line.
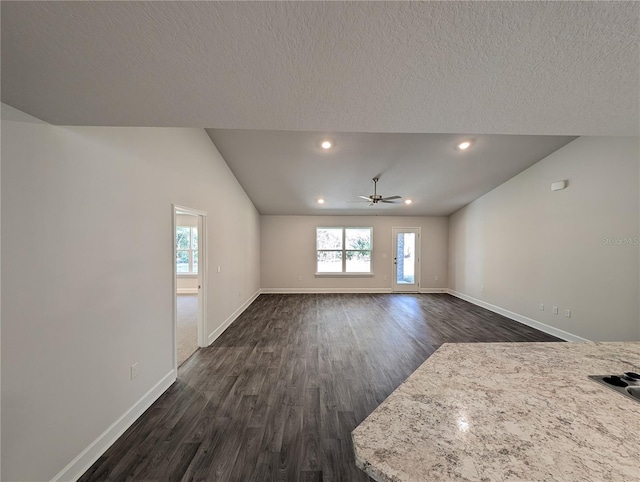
[507, 411]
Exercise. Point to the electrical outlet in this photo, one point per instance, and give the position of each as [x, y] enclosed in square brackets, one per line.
[541, 306]
[384, 277]
[218, 269]
[567, 313]
[134, 370]
[555, 310]
[435, 278]
[482, 288]
[299, 277]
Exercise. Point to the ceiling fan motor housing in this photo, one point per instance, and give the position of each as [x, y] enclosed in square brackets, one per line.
[376, 198]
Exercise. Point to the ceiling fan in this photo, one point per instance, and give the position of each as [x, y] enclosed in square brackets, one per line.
[376, 198]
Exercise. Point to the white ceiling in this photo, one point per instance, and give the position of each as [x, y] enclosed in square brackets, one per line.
[567, 68]
[286, 172]
[269, 79]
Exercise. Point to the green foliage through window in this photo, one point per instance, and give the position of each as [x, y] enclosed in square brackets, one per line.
[343, 250]
[186, 249]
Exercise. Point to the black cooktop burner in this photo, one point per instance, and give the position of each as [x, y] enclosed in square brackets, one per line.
[632, 376]
[629, 388]
[616, 381]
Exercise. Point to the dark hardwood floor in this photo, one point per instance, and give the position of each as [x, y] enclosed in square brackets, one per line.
[278, 394]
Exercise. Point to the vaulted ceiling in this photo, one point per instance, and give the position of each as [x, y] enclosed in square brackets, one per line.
[381, 78]
[427, 169]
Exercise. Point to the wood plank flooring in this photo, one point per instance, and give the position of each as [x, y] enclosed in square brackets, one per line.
[278, 394]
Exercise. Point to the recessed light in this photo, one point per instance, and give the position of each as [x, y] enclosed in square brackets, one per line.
[326, 144]
[320, 201]
[408, 201]
[464, 145]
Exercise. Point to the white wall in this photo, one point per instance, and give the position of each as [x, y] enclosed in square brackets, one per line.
[187, 284]
[528, 245]
[288, 251]
[87, 274]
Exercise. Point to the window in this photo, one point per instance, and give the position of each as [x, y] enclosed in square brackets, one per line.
[344, 250]
[187, 250]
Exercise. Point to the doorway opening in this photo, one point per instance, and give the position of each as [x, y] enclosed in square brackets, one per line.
[189, 229]
[406, 260]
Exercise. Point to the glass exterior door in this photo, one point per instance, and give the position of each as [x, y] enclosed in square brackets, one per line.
[406, 260]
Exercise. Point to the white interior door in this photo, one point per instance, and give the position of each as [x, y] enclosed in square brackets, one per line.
[202, 264]
[192, 256]
[406, 260]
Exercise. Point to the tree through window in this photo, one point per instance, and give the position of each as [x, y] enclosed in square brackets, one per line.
[187, 250]
[343, 250]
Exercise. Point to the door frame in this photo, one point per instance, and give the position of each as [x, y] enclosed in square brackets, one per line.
[417, 271]
[202, 276]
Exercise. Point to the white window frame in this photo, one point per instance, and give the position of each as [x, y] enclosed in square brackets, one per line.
[343, 250]
[190, 251]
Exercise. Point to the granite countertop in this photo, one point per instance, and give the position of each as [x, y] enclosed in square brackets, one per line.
[507, 411]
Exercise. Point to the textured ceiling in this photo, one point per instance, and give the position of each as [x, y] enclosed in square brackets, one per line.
[286, 172]
[563, 68]
[394, 84]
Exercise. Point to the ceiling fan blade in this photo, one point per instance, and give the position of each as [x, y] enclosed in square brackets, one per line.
[391, 197]
[365, 197]
[388, 202]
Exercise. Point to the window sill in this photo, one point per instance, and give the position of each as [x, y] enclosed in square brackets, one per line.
[344, 275]
[187, 275]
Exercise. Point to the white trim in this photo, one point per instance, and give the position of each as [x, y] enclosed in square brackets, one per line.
[433, 290]
[187, 291]
[174, 288]
[344, 275]
[188, 211]
[201, 275]
[565, 335]
[218, 331]
[284, 291]
[203, 280]
[86, 458]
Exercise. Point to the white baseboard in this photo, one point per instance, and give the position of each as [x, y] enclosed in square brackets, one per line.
[287, 291]
[283, 291]
[557, 332]
[565, 335]
[218, 331]
[79, 465]
[86, 458]
[187, 291]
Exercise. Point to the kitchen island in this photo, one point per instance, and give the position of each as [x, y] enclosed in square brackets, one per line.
[507, 411]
